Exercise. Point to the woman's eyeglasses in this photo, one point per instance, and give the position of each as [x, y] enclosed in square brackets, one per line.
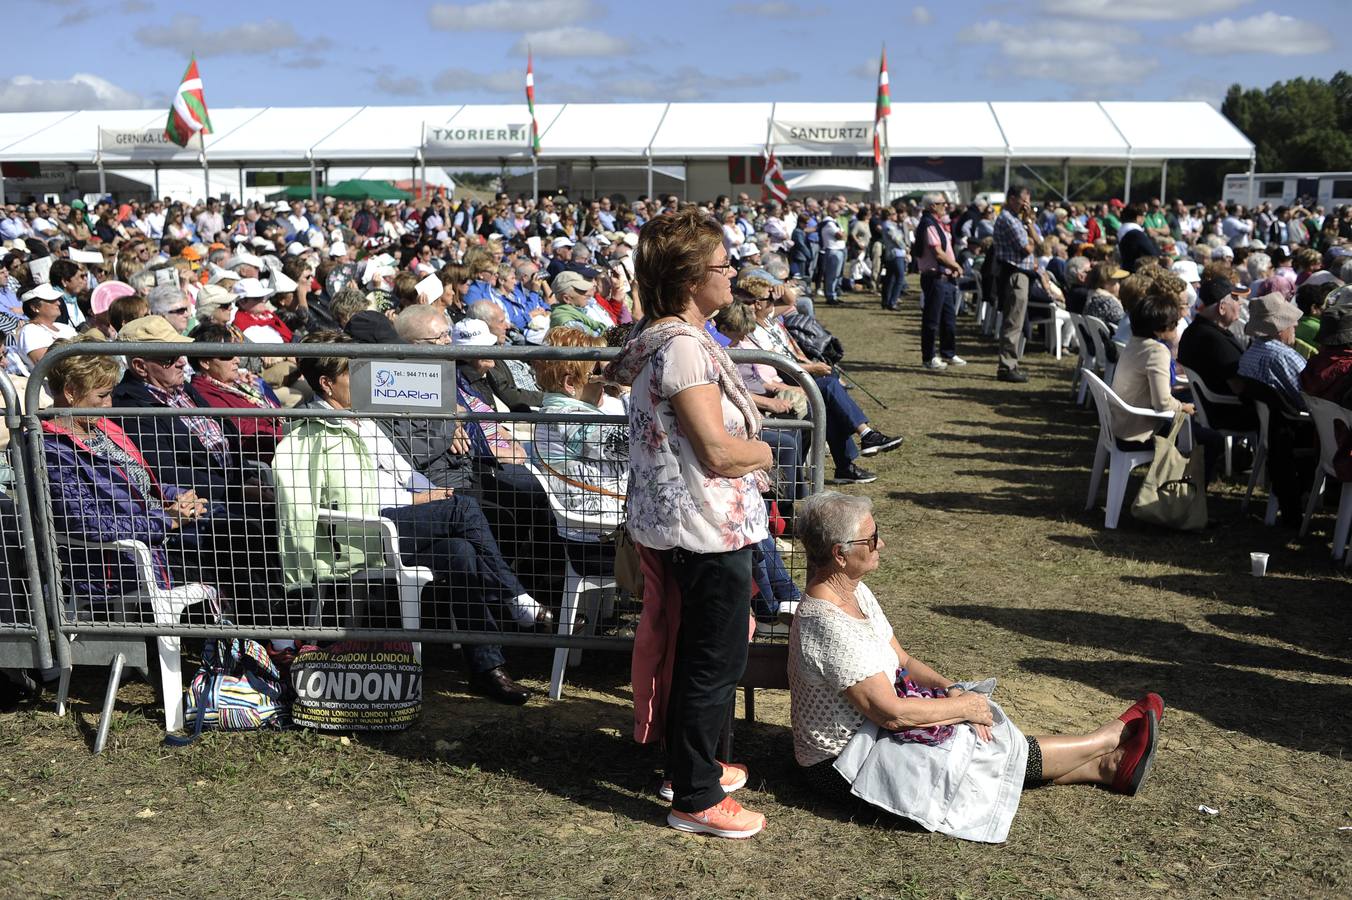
[871, 540]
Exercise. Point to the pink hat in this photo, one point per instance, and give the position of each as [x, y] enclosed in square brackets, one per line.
[106, 293]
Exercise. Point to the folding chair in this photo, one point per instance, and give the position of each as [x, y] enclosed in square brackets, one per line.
[1325, 413]
[1206, 403]
[1119, 462]
[1265, 401]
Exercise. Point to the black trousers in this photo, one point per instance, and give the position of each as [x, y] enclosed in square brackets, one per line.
[711, 650]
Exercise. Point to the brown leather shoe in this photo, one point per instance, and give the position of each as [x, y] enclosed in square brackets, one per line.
[496, 684]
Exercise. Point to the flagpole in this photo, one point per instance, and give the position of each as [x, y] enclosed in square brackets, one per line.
[206, 171]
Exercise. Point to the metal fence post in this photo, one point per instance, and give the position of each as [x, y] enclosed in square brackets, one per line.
[36, 630]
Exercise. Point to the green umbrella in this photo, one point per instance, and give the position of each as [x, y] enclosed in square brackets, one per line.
[352, 189]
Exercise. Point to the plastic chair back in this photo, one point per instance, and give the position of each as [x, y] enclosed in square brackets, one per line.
[1325, 414]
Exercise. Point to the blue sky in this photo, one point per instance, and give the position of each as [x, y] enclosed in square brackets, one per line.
[68, 54]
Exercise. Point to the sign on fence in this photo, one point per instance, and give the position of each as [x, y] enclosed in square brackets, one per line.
[380, 385]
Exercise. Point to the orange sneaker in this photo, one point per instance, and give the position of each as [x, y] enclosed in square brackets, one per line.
[727, 819]
[733, 778]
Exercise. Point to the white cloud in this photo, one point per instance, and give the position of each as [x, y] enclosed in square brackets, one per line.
[1267, 33]
[399, 86]
[188, 34]
[921, 15]
[1140, 10]
[505, 15]
[23, 93]
[570, 41]
[1061, 51]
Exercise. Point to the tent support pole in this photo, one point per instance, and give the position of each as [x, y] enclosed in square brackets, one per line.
[157, 181]
[1007, 162]
[241, 184]
[535, 176]
[422, 168]
[314, 185]
[1126, 188]
[103, 180]
[592, 196]
[1065, 180]
[650, 174]
[1164, 180]
[206, 171]
[1253, 164]
[2, 187]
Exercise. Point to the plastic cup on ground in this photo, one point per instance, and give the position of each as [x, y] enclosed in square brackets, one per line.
[1259, 563]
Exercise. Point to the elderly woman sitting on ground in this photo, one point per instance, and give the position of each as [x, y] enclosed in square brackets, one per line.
[871, 720]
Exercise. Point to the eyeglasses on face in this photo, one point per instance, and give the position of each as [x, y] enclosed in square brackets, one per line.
[723, 267]
[871, 540]
[179, 311]
[442, 338]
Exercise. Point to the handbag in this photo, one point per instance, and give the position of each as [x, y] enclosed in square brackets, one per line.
[356, 686]
[1173, 494]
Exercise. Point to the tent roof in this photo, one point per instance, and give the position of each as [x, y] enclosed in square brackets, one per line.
[672, 131]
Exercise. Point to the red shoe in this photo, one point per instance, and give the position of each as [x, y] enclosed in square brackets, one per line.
[1137, 710]
[1138, 757]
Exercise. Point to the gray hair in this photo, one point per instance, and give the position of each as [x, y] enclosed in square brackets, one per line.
[346, 304]
[828, 519]
[485, 311]
[931, 198]
[142, 283]
[1258, 264]
[1078, 265]
[776, 265]
[164, 298]
[411, 318]
[581, 253]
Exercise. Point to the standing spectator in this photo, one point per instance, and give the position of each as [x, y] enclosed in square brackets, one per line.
[832, 260]
[694, 504]
[1014, 248]
[894, 259]
[210, 223]
[938, 287]
[1134, 241]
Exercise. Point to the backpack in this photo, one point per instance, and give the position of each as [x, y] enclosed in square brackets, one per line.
[818, 344]
[237, 688]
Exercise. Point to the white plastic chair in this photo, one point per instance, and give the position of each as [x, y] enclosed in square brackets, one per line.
[1119, 462]
[1325, 413]
[1088, 360]
[1102, 337]
[1205, 400]
[166, 605]
[575, 585]
[1055, 325]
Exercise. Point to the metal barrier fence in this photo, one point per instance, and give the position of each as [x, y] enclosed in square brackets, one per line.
[406, 509]
[24, 638]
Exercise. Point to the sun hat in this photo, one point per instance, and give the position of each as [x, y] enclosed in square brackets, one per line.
[251, 289]
[1269, 315]
[44, 291]
[1187, 270]
[152, 329]
[1214, 290]
[560, 242]
[211, 297]
[569, 280]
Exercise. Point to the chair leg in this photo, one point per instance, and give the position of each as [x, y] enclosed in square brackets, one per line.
[1119, 473]
[1229, 456]
[171, 682]
[109, 698]
[1344, 523]
[567, 616]
[1316, 491]
[63, 690]
[1270, 512]
[1095, 474]
[1255, 474]
[410, 608]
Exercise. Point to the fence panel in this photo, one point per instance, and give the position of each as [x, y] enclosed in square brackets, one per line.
[421, 514]
[24, 638]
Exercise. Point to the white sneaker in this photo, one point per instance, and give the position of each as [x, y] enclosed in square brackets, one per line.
[935, 362]
[956, 361]
[787, 610]
[524, 610]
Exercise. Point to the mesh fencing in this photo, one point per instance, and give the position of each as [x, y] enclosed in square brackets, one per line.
[455, 521]
[24, 639]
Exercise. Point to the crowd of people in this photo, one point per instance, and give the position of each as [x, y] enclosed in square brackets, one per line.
[702, 473]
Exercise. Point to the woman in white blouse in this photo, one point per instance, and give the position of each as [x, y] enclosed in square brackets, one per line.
[42, 305]
[871, 720]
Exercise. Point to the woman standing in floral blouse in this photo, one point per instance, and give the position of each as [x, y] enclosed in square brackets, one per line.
[694, 500]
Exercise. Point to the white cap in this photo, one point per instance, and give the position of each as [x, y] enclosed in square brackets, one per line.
[18, 244]
[474, 333]
[561, 242]
[295, 248]
[282, 206]
[1187, 270]
[282, 283]
[44, 291]
[631, 239]
[337, 248]
[245, 259]
[219, 274]
[252, 288]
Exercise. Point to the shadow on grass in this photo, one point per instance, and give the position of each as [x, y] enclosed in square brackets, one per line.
[1314, 720]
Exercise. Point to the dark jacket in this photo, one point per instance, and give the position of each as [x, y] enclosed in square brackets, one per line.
[173, 452]
[1212, 352]
[426, 443]
[1134, 245]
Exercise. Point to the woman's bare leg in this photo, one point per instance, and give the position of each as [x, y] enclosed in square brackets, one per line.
[1084, 758]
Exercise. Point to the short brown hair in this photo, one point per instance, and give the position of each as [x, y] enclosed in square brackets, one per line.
[313, 368]
[406, 289]
[453, 274]
[673, 257]
[81, 374]
[550, 373]
[1155, 313]
[736, 318]
[126, 309]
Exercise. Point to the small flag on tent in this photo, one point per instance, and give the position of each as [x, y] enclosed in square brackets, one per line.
[188, 114]
[882, 110]
[772, 182]
[530, 102]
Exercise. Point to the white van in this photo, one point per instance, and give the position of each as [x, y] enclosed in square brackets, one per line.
[1329, 189]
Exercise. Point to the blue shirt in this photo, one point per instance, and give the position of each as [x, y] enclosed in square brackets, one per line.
[479, 290]
[520, 304]
[1276, 365]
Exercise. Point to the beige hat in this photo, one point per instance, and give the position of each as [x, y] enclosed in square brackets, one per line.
[568, 280]
[155, 329]
[211, 297]
[1270, 315]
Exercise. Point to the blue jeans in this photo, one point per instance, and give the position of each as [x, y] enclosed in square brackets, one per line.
[787, 448]
[451, 537]
[773, 582]
[832, 262]
[940, 315]
[894, 282]
[843, 417]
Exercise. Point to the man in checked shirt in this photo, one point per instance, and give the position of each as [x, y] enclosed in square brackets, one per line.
[1015, 243]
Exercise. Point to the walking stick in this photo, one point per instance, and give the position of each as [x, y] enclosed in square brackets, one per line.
[840, 370]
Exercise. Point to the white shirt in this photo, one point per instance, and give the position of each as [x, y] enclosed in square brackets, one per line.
[37, 337]
[155, 225]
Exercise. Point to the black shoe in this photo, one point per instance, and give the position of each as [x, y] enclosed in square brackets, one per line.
[876, 442]
[835, 303]
[1014, 376]
[496, 684]
[853, 475]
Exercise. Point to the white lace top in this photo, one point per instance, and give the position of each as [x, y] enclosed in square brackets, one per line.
[830, 650]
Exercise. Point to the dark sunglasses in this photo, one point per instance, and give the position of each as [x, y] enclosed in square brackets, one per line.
[871, 540]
